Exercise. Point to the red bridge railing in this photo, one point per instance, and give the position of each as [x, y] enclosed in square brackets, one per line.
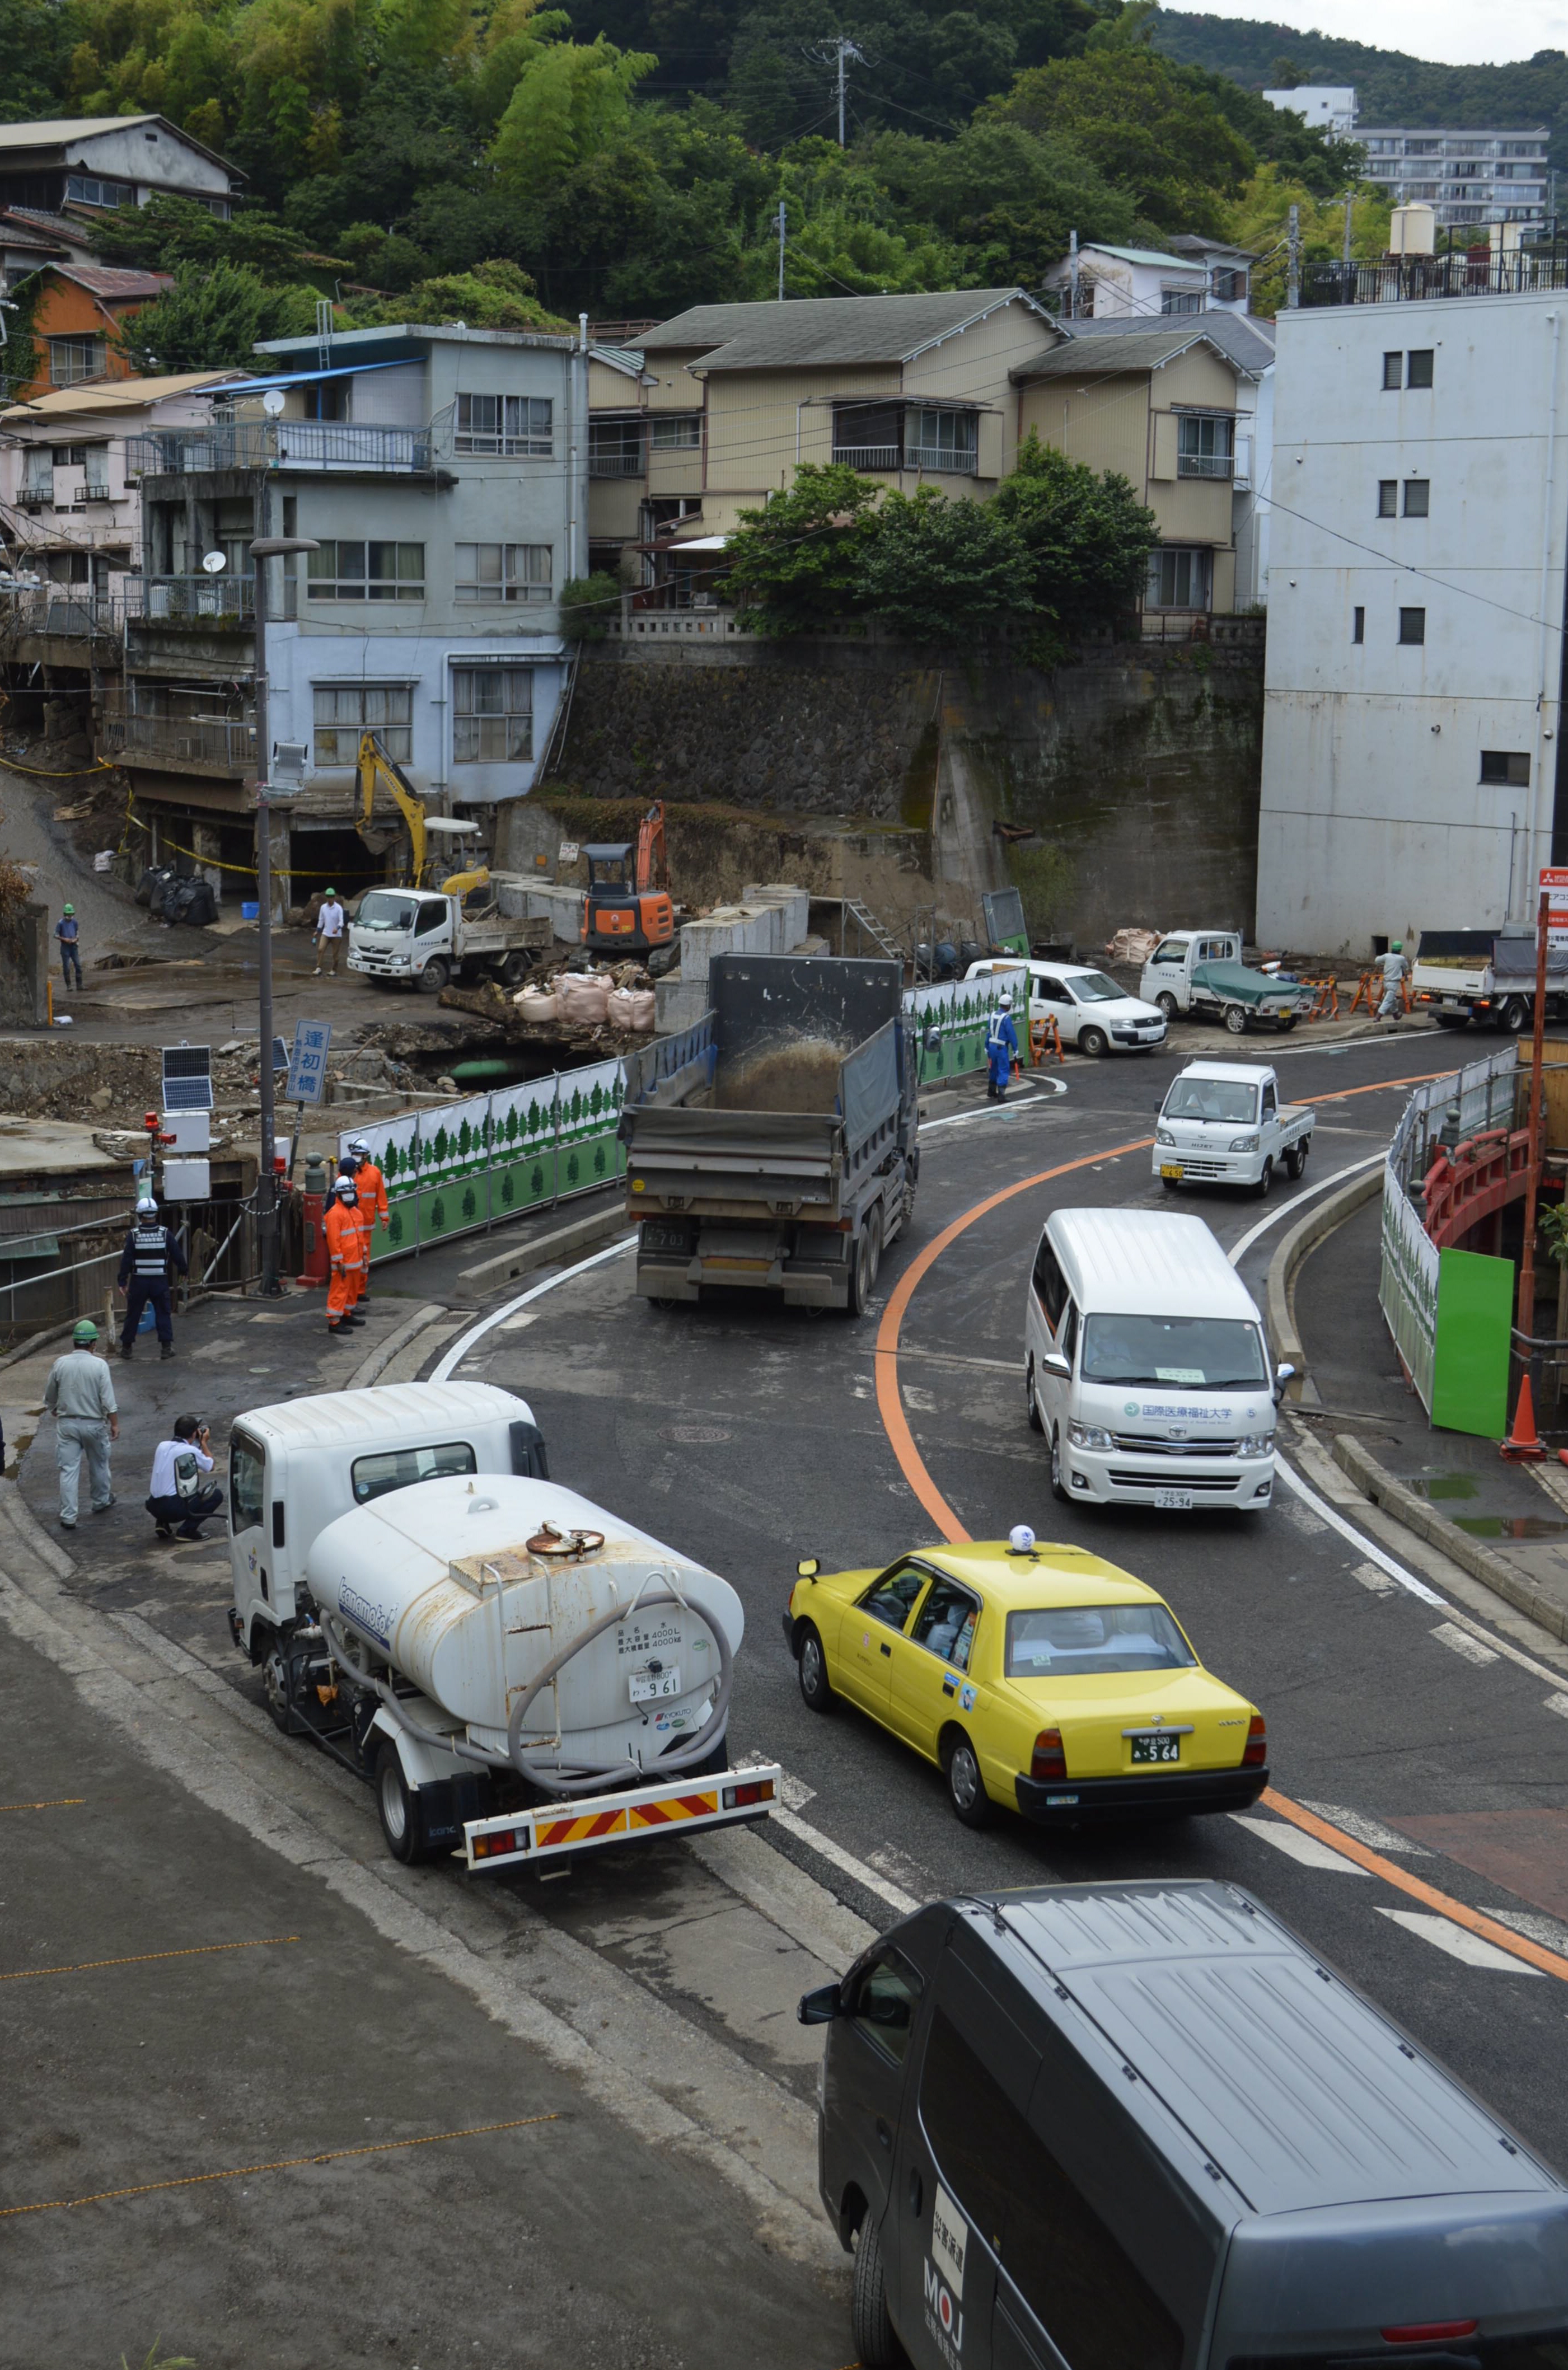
[1474, 1180]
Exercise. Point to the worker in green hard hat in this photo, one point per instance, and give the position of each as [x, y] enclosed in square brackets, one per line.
[79, 1395]
[68, 931]
[1396, 970]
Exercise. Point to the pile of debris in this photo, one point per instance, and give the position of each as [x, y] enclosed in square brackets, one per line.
[589, 1009]
[1133, 945]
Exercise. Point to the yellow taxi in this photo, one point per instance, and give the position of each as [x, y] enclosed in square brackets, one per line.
[1039, 1678]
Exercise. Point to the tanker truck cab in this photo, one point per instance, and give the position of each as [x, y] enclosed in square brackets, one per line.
[296, 1467]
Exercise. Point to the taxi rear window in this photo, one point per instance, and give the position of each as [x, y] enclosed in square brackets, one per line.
[1090, 1641]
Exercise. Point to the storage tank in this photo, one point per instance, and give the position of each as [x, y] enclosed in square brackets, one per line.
[1413, 230]
[472, 1586]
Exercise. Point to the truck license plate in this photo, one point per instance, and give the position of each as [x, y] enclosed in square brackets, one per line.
[1167, 1501]
[650, 1686]
[1170, 1169]
[1156, 1748]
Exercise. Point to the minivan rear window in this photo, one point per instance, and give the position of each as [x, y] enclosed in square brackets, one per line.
[1072, 2273]
[1213, 1353]
[1069, 1641]
[399, 1469]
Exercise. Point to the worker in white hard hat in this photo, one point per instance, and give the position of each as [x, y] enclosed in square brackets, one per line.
[1001, 1050]
[152, 1250]
[371, 1186]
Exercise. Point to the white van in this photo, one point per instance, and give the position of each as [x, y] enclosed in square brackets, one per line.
[1089, 1009]
[1145, 1365]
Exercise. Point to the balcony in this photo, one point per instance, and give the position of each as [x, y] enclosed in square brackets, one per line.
[225, 603]
[324, 444]
[615, 464]
[867, 457]
[205, 745]
[939, 457]
[1206, 464]
[69, 612]
[1529, 271]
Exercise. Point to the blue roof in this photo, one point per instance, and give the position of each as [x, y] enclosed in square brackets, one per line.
[300, 377]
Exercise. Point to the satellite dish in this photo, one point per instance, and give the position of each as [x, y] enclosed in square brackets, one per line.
[272, 402]
[214, 562]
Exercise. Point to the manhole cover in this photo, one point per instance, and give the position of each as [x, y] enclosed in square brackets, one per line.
[693, 1436]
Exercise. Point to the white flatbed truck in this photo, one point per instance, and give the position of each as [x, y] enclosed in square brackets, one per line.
[1223, 1124]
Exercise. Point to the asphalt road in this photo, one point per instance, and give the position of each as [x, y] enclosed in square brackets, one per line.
[751, 1435]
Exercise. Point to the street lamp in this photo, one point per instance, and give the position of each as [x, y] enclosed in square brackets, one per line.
[265, 547]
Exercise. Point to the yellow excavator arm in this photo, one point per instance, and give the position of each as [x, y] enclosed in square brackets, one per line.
[374, 766]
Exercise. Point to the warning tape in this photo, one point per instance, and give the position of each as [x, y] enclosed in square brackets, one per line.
[279, 2164]
[140, 1958]
[53, 773]
[60, 1802]
[248, 871]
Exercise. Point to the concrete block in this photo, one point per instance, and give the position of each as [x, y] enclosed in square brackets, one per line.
[678, 1003]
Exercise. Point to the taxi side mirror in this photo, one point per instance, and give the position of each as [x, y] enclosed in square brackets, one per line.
[808, 1567]
[819, 2006]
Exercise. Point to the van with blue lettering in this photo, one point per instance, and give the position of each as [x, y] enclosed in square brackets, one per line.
[1145, 1365]
[1143, 2126]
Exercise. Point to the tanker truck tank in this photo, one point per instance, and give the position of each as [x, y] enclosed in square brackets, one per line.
[548, 1640]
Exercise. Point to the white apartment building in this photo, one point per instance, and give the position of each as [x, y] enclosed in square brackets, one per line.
[1413, 685]
[1466, 177]
[1327, 107]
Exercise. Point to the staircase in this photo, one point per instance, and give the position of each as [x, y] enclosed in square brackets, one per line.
[869, 927]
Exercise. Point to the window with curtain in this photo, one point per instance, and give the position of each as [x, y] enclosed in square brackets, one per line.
[520, 424]
[1205, 448]
[943, 440]
[1178, 579]
[71, 360]
[38, 473]
[680, 433]
[493, 715]
[345, 711]
[505, 571]
[367, 571]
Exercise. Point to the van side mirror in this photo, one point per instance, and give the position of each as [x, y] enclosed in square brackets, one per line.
[1054, 1362]
[819, 2006]
[1282, 1374]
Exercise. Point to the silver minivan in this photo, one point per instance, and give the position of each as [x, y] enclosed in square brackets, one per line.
[1143, 2126]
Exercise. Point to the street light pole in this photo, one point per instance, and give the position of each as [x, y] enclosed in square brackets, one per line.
[266, 548]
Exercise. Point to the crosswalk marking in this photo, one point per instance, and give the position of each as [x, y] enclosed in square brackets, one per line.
[1296, 1846]
[1558, 1704]
[1371, 1578]
[1460, 1641]
[1457, 1941]
[1370, 1831]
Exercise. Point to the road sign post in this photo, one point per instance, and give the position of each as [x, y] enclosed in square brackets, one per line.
[307, 1081]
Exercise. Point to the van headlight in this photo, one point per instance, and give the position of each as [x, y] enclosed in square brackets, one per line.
[1257, 1444]
[1090, 1436]
[1163, 1135]
[1244, 1143]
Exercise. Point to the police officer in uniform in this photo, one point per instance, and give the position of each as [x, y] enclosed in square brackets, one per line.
[151, 1249]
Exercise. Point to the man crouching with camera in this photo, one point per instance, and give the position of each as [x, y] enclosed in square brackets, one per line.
[180, 1502]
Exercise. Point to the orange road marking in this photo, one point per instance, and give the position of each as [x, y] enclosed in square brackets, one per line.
[279, 2164]
[890, 1406]
[143, 1958]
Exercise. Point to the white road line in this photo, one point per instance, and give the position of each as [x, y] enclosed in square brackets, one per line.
[1460, 1641]
[1458, 1941]
[1287, 1208]
[465, 1341]
[1558, 1704]
[845, 1862]
[1336, 1522]
[1369, 1831]
[1296, 1846]
[994, 1110]
[1370, 1577]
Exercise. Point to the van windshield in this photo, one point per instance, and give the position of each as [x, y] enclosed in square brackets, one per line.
[1213, 1353]
[1211, 1099]
[1088, 1641]
[386, 909]
[1095, 988]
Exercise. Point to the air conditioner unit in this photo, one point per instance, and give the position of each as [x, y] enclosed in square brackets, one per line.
[703, 601]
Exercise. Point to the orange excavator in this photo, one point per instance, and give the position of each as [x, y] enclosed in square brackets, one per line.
[628, 908]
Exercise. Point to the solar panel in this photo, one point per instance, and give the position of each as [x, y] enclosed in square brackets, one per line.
[187, 1077]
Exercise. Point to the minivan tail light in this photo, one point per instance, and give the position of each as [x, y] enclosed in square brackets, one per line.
[1423, 2332]
[1257, 1753]
[1048, 1759]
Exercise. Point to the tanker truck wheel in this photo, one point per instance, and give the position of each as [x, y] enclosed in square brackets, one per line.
[399, 1807]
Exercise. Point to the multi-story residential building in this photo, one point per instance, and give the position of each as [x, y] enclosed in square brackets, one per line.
[716, 410]
[1133, 284]
[1414, 771]
[1160, 402]
[1229, 271]
[85, 163]
[77, 311]
[443, 473]
[1465, 175]
[1327, 107]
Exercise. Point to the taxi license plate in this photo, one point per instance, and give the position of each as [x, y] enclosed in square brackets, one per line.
[1156, 1748]
[1170, 1169]
[1173, 1501]
[650, 1686]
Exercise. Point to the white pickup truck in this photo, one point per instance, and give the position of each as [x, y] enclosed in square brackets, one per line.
[1201, 972]
[426, 936]
[1223, 1124]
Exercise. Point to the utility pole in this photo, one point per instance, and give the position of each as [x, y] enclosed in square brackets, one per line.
[266, 548]
[1349, 210]
[839, 50]
[1293, 285]
[780, 224]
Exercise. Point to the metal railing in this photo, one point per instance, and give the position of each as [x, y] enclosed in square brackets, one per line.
[866, 457]
[937, 457]
[277, 445]
[229, 745]
[616, 465]
[70, 612]
[1206, 464]
[225, 601]
[1407, 278]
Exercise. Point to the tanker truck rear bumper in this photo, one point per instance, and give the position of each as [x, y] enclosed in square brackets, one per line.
[557, 1830]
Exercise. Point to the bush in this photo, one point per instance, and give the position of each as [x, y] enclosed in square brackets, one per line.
[587, 606]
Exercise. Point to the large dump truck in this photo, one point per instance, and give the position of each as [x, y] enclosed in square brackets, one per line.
[773, 1144]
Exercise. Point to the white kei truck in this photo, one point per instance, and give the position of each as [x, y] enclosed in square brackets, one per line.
[520, 1674]
[424, 938]
[1223, 1124]
[1201, 972]
[1145, 1365]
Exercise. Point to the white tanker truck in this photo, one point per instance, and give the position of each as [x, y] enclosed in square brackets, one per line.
[520, 1673]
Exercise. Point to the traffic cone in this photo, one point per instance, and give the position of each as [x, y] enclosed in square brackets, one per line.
[1523, 1442]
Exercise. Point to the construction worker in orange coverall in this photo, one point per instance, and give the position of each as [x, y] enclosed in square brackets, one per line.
[371, 1186]
[342, 1230]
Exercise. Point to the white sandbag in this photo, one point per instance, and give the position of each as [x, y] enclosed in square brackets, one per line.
[583, 998]
[534, 1004]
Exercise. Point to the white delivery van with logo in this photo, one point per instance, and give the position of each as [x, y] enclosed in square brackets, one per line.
[1145, 1365]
